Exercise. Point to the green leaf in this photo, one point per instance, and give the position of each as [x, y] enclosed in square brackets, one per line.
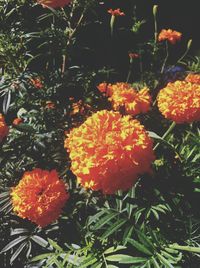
[88, 262]
[41, 257]
[104, 220]
[164, 261]
[139, 247]
[40, 241]
[113, 249]
[14, 243]
[125, 259]
[17, 252]
[116, 226]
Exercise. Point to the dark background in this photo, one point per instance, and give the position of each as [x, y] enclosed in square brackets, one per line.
[95, 48]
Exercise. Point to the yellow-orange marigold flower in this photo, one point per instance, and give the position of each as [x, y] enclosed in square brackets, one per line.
[116, 12]
[54, 3]
[108, 152]
[193, 78]
[180, 102]
[3, 128]
[39, 196]
[124, 96]
[169, 35]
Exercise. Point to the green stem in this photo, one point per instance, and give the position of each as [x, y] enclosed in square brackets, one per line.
[186, 52]
[171, 127]
[129, 73]
[166, 58]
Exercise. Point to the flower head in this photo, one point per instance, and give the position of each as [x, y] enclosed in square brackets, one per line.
[108, 152]
[54, 3]
[169, 35]
[39, 196]
[116, 12]
[193, 78]
[3, 128]
[17, 121]
[124, 96]
[36, 82]
[180, 102]
[133, 55]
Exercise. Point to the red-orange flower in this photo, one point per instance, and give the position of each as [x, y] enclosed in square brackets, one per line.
[17, 121]
[3, 128]
[36, 82]
[54, 3]
[169, 35]
[116, 12]
[180, 102]
[193, 78]
[133, 55]
[39, 196]
[105, 88]
[124, 96]
[108, 152]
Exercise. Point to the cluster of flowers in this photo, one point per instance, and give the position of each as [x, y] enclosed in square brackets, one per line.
[109, 151]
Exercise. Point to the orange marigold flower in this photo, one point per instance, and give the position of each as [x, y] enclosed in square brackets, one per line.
[116, 12]
[169, 35]
[108, 152]
[17, 121]
[54, 3]
[193, 78]
[39, 196]
[105, 88]
[36, 82]
[3, 128]
[180, 102]
[123, 96]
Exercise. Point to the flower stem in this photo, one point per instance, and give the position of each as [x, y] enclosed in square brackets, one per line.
[186, 52]
[171, 127]
[166, 58]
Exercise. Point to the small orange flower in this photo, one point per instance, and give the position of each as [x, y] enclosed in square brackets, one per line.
[180, 102]
[133, 55]
[116, 12]
[3, 128]
[105, 88]
[50, 105]
[108, 152]
[39, 196]
[124, 96]
[17, 121]
[193, 78]
[54, 3]
[36, 82]
[169, 35]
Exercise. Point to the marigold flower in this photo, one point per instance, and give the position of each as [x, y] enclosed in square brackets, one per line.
[169, 35]
[17, 121]
[180, 102]
[116, 12]
[193, 78]
[124, 96]
[36, 82]
[3, 128]
[105, 88]
[39, 196]
[54, 3]
[108, 152]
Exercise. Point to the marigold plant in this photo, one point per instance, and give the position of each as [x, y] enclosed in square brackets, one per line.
[3, 127]
[39, 196]
[108, 152]
[180, 102]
